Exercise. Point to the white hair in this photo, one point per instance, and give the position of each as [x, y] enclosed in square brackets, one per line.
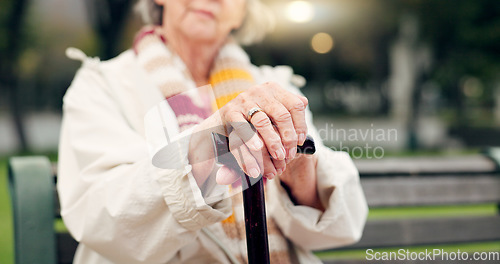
[258, 21]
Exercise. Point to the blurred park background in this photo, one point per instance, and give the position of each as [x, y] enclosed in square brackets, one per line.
[428, 69]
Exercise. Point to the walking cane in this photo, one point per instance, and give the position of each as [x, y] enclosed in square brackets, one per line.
[253, 200]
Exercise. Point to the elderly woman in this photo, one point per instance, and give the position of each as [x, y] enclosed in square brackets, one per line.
[124, 209]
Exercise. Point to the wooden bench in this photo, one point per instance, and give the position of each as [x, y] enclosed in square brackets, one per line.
[429, 181]
[390, 182]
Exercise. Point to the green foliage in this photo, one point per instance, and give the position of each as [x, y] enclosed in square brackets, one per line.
[4, 8]
[464, 36]
[14, 35]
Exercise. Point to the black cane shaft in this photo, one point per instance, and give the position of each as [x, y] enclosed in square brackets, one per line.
[254, 204]
[255, 222]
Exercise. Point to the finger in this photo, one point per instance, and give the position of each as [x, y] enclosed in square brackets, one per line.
[279, 165]
[267, 164]
[304, 99]
[296, 105]
[226, 176]
[240, 125]
[245, 159]
[269, 171]
[276, 112]
[275, 108]
[269, 135]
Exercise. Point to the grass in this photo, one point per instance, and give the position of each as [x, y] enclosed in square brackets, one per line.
[433, 211]
[6, 235]
[6, 232]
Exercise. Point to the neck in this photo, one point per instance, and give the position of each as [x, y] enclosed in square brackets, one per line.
[198, 56]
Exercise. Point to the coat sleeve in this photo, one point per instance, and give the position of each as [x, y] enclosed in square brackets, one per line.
[112, 199]
[339, 190]
[343, 220]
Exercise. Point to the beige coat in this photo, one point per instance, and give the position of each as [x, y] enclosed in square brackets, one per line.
[123, 209]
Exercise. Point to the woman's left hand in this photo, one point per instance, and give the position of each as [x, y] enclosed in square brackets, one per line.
[300, 180]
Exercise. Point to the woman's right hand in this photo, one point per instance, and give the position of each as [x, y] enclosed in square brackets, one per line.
[263, 144]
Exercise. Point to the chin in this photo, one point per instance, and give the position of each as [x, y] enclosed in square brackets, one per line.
[202, 37]
[202, 33]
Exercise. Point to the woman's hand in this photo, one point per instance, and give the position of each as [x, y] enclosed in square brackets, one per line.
[261, 145]
[279, 128]
[300, 181]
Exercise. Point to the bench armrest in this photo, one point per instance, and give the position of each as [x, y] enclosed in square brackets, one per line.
[31, 186]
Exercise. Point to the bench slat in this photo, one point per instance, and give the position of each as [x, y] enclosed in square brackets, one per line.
[409, 232]
[426, 190]
[426, 165]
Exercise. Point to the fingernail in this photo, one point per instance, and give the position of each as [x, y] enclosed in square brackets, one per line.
[279, 172]
[292, 152]
[254, 173]
[280, 154]
[302, 138]
[270, 176]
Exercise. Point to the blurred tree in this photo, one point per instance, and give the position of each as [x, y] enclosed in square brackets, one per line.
[11, 45]
[465, 38]
[108, 19]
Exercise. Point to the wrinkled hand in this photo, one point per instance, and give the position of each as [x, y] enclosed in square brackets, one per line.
[262, 145]
[300, 181]
[265, 143]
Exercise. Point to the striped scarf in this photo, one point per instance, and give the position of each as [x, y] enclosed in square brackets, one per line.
[229, 76]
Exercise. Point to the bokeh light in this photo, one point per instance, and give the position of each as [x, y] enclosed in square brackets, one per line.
[322, 43]
[472, 87]
[300, 11]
